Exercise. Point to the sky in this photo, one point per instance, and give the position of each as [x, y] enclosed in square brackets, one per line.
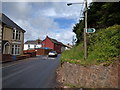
[41, 18]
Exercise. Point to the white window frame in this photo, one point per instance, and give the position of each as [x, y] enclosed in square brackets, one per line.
[16, 37]
[14, 34]
[16, 49]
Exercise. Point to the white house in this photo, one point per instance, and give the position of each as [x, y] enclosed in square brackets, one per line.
[68, 47]
[32, 44]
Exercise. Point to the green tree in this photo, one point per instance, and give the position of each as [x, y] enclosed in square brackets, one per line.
[100, 15]
[78, 29]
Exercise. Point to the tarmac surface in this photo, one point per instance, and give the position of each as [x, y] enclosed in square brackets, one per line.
[36, 72]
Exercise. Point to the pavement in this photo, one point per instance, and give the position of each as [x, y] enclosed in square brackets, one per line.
[36, 72]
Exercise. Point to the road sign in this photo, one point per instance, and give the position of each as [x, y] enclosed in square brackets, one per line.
[90, 30]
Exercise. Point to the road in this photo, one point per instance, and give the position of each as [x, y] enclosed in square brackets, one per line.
[37, 72]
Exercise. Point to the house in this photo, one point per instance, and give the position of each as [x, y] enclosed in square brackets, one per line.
[32, 44]
[35, 46]
[12, 37]
[68, 46]
[49, 43]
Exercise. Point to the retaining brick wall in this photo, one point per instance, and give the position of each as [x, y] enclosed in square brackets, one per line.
[95, 76]
[6, 57]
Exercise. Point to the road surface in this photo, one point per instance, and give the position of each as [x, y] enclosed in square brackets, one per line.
[37, 72]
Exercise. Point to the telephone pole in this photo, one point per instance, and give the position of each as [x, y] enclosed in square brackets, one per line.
[85, 28]
[85, 39]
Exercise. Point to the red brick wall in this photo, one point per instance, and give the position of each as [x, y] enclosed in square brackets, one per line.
[6, 57]
[39, 51]
[57, 48]
[48, 43]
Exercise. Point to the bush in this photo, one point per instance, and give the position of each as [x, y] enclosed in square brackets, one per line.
[104, 44]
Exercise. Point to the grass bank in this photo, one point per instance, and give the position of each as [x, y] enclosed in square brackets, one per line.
[103, 47]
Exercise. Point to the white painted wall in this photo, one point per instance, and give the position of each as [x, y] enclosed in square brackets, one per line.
[25, 46]
[38, 46]
[32, 46]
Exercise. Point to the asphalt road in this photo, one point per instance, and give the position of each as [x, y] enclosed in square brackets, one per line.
[37, 72]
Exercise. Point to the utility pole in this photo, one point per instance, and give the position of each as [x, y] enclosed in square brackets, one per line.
[85, 39]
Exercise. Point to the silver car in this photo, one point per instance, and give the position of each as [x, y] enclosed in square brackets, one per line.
[52, 54]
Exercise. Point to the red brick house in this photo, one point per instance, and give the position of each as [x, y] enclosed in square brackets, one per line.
[52, 44]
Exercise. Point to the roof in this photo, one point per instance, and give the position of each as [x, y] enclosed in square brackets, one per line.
[7, 21]
[55, 41]
[33, 41]
[69, 46]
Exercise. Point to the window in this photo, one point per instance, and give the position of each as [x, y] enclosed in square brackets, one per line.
[12, 49]
[28, 46]
[19, 35]
[34, 46]
[16, 34]
[15, 49]
[13, 34]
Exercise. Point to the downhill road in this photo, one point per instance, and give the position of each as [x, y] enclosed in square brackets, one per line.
[37, 72]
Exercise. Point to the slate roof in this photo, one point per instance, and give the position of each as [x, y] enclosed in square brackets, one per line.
[7, 21]
[55, 41]
[32, 42]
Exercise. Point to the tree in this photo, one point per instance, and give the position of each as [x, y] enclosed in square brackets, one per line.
[78, 29]
[100, 15]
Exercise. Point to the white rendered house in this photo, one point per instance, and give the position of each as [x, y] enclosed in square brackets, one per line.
[32, 44]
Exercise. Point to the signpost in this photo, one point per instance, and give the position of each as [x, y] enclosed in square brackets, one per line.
[90, 30]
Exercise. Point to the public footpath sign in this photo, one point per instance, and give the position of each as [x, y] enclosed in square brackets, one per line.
[90, 30]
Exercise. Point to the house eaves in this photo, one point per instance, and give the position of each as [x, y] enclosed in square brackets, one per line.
[8, 22]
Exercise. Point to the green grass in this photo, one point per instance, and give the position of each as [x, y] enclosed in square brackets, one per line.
[103, 47]
[73, 55]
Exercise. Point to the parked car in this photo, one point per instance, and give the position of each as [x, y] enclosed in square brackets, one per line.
[52, 54]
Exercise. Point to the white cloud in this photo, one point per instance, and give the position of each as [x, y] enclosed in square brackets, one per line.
[44, 0]
[61, 10]
[38, 19]
[17, 10]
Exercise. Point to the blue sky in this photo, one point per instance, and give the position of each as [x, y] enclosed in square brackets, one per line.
[39, 19]
[64, 23]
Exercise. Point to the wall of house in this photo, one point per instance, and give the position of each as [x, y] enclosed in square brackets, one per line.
[48, 43]
[57, 48]
[32, 46]
[38, 46]
[7, 35]
[26, 46]
[22, 42]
